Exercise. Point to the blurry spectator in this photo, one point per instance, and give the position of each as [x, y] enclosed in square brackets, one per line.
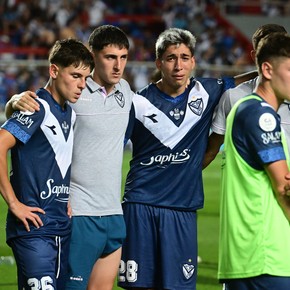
[3, 92]
[272, 9]
[97, 11]
[38, 23]
[8, 85]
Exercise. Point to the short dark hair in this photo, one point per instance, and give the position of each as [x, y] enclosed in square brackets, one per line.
[265, 30]
[108, 34]
[70, 51]
[271, 47]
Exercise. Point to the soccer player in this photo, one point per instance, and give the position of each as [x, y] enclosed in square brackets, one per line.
[102, 113]
[255, 205]
[98, 227]
[168, 127]
[231, 96]
[102, 116]
[38, 222]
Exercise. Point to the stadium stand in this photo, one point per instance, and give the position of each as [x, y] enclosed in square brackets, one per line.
[29, 28]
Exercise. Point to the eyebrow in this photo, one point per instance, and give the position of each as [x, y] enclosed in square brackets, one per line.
[182, 55]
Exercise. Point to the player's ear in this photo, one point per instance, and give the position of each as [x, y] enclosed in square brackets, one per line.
[193, 62]
[267, 69]
[158, 63]
[253, 54]
[53, 70]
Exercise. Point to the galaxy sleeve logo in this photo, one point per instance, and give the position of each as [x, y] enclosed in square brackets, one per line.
[23, 119]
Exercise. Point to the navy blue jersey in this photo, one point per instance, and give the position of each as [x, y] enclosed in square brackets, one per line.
[169, 137]
[262, 144]
[41, 161]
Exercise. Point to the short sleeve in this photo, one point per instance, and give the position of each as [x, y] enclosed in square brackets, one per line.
[22, 125]
[257, 135]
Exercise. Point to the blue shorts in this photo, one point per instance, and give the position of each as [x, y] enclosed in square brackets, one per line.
[263, 282]
[160, 250]
[92, 238]
[41, 261]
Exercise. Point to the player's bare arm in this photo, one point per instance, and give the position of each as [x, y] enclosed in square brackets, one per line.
[20, 210]
[22, 102]
[69, 209]
[215, 141]
[245, 77]
[278, 172]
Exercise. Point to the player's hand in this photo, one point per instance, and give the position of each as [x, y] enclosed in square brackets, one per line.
[27, 214]
[69, 210]
[25, 102]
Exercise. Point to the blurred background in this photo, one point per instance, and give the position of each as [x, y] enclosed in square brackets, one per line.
[223, 30]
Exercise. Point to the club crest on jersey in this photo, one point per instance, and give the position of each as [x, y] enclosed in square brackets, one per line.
[65, 127]
[119, 97]
[176, 113]
[187, 270]
[196, 106]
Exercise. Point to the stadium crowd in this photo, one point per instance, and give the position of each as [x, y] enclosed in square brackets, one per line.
[29, 28]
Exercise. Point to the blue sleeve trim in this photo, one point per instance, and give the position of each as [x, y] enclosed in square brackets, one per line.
[272, 155]
[229, 83]
[17, 132]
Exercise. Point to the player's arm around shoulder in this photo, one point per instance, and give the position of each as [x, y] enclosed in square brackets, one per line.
[243, 77]
[22, 102]
[215, 141]
[218, 127]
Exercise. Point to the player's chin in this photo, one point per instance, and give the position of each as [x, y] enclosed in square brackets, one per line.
[74, 99]
[115, 79]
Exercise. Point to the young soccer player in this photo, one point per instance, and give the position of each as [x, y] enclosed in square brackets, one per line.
[231, 96]
[255, 205]
[102, 117]
[168, 127]
[102, 113]
[38, 223]
[98, 227]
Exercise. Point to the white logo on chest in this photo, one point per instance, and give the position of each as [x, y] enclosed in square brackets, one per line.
[53, 189]
[176, 113]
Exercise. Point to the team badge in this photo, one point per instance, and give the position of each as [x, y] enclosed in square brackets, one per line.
[176, 113]
[119, 97]
[187, 270]
[267, 122]
[196, 106]
[65, 127]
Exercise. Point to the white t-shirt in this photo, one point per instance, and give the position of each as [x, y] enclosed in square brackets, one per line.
[231, 96]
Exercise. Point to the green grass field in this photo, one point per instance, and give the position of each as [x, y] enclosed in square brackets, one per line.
[208, 219]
